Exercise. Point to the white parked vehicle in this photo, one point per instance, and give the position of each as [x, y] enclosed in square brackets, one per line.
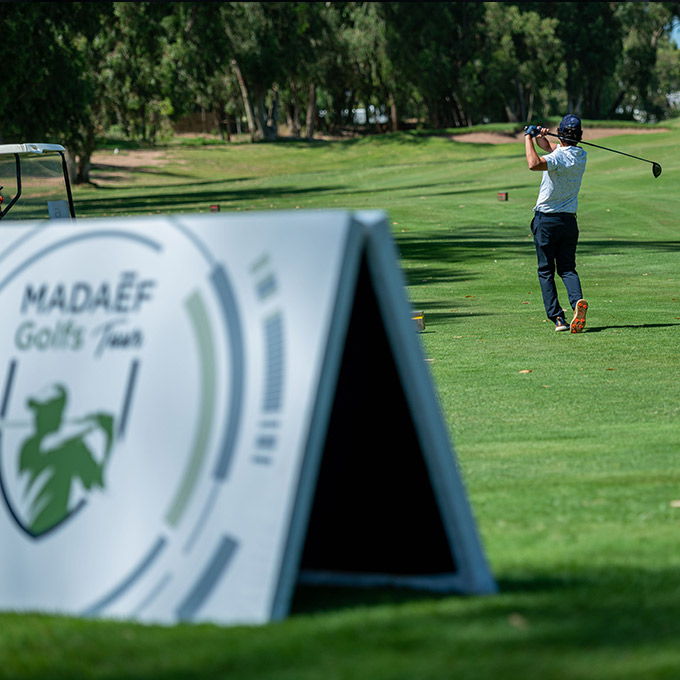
[34, 182]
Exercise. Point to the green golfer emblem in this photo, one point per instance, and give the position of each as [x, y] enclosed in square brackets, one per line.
[60, 454]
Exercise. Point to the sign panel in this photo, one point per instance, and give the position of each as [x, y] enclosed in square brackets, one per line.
[167, 388]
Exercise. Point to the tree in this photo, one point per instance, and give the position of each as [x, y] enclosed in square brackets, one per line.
[95, 23]
[648, 68]
[44, 91]
[50, 92]
[591, 44]
[313, 49]
[257, 35]
[198, 59]
[75, 68]
[668, 73]
[136, 68]
[366, 58]
[430, 45]
[523, 59]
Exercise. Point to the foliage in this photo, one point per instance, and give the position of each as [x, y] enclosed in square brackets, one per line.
[650, 64]
[430, 46]
[525, 57]
[137, 70]
[45, 84]
[199, 57]
[588, 71]
[77, 68]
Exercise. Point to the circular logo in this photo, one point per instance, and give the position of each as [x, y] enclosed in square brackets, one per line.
[125, 347]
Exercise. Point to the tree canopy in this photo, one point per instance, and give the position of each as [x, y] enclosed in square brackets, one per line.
[78, 68]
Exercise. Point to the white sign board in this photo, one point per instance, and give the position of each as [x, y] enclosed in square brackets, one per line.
[58, 210]
[179, 409]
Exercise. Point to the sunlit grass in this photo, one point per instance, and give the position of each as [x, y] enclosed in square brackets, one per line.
[568, 443]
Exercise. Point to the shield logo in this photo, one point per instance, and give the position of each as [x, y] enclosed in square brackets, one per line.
[53, 462]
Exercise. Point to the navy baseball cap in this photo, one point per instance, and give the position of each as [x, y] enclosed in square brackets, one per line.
[570, 127]
[570, 121]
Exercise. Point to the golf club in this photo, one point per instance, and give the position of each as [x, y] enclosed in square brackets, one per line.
[656, 168]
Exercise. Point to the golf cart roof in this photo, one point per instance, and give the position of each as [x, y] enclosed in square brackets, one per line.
[35, 182]
[29, 148]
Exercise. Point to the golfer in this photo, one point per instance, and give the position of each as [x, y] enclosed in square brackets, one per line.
[554, 224]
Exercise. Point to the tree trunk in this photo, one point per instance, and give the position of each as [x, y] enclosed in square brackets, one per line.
[510, 113]
[79, 165]
[351, 106]
[262, 117]
[247, 105]
[574, 104]
[294, 125]
[520, 98]
[458, 113]
[222, 120]
[260, 111]
[394, 119]
[530, 111]
[433, 109]
[273, 117]
[289, 119]
[616, 104]
[71, 166]
[83, 168]
[311, 111]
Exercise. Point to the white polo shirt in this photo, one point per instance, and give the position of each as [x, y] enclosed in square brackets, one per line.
[562, 180]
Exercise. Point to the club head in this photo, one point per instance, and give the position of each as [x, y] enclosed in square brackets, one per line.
[656, 169]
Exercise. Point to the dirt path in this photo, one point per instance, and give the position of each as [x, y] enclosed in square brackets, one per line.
[109, 168]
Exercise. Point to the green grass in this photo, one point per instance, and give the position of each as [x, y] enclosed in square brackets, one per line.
[570, 468]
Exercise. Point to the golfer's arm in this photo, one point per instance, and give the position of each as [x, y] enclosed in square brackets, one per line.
[545, 144]
[534, 161]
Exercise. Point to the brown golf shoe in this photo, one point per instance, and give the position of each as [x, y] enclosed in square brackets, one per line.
[578, 323]
[560, 324]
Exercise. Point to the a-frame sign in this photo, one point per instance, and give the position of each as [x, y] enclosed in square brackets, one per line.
[199, 412]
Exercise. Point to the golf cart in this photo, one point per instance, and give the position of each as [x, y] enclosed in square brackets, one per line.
[34, 183]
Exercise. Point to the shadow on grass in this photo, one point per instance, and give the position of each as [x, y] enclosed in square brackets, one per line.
[473, 241]
[604, 623]
[167, 197]
[122, 178]
[640, 326]
[431, 257]
[432, 318]
[99, 171]
[588, 247]
[422, 276]
[617, 606]
[312, 599]
[155, 202]
[466, 245]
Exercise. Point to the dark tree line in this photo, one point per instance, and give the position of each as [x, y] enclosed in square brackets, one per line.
[75, 69]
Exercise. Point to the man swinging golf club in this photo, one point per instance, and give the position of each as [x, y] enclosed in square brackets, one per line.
[554, 225]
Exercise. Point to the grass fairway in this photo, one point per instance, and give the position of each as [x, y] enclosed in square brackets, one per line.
[568, 443]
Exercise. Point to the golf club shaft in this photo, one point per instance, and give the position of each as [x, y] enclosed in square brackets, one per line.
[597, 146]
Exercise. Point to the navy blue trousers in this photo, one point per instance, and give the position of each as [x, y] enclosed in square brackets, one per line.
[556, 238]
